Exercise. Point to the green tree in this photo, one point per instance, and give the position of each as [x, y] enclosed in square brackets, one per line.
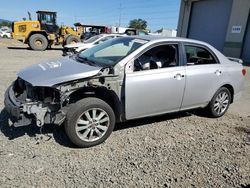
[138, 24]
[4, 23]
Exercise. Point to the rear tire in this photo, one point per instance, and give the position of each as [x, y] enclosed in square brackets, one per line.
[72, 39]
[89, 122]
[38, 42]
[220, 103]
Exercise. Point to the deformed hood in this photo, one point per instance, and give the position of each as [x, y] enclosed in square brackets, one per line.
[55, 72]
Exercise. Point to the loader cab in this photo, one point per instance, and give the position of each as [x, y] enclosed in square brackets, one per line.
[47, 20]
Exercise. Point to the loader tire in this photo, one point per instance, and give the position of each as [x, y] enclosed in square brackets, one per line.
[72, 39]
[38, 42]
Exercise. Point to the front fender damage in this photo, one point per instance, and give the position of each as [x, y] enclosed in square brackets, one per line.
[105, 80]
[105, 85]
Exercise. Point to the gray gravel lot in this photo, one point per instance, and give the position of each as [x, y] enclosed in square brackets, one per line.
[177, 150]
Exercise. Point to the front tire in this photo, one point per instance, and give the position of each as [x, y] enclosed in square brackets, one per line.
[89, 122]
[219, 103]
[38, 42]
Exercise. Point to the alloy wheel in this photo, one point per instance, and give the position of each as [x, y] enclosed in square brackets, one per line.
[92, 124]
[221, 102]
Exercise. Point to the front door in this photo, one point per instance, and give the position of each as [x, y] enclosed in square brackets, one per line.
[157, 83]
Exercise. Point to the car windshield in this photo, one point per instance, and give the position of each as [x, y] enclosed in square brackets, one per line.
[93, 39]
[111, 52]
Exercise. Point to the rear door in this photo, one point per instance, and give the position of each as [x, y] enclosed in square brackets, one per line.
[204, 75]
[154, 91]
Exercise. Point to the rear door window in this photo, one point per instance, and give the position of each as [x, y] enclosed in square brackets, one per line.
[199, 56]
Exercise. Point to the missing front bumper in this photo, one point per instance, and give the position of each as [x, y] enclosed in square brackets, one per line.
[14, 108]
[11, 105]
[22, 114]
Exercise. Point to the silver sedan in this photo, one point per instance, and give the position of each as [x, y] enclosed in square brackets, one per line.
[122, 79]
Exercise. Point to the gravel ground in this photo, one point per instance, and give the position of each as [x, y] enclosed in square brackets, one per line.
[177, 150]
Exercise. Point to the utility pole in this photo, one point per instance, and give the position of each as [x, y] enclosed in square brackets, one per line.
[120, 14]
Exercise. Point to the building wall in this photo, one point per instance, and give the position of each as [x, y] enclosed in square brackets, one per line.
[183, 23]
[246, 46]
[210, 17]
[239, 17]
[234, 41]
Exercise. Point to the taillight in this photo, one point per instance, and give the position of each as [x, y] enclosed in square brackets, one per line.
[244, 72]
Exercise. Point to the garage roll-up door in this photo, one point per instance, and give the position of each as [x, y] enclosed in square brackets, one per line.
[246, 48]
[209, 21]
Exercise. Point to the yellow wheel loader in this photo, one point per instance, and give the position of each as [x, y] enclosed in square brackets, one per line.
[43, 32]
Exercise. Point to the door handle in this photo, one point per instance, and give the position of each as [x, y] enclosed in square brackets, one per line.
[218, 72]
[178, 76]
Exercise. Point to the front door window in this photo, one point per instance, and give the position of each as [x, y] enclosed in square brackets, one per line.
[162, 56]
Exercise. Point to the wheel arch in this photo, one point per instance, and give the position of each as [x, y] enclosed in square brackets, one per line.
[36, 32]
[109, 96]
[231, 90]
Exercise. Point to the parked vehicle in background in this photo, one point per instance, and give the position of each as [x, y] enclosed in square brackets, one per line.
[81, 46]
[123, 79]
[166, 32]
[40, 34]
[92, 30]
[5, 34]
[6, 29]
[128, 31]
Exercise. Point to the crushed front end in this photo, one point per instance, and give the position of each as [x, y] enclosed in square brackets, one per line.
[28, 104]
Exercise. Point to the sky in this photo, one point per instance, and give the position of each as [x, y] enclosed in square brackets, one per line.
[158, 13]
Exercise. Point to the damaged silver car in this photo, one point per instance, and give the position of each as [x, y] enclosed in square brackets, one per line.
[123, 79]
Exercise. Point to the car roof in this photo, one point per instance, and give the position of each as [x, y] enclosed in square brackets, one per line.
[162, 38]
